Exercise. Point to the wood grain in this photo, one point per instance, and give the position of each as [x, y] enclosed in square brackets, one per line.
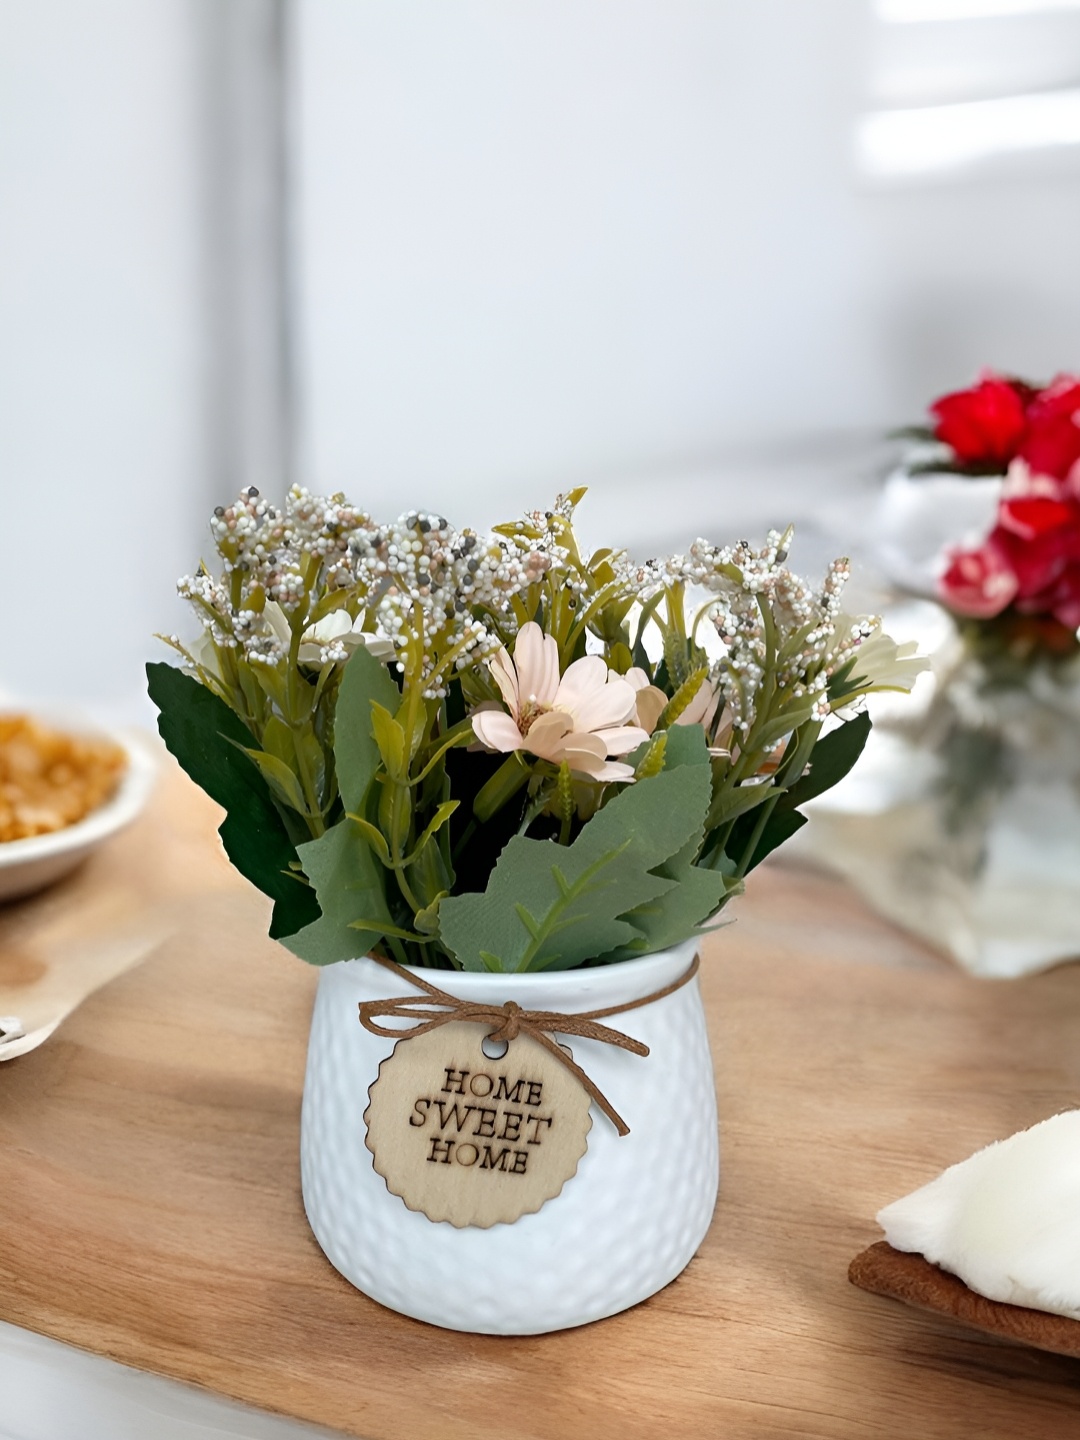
[150, 1206]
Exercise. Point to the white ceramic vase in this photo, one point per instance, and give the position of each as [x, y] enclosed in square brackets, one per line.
[919, 518]
[624, 1226]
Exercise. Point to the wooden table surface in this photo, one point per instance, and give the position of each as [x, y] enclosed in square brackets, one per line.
[150, 1203]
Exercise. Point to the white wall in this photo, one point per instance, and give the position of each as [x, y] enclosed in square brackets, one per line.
[565, 239]
[100, 323]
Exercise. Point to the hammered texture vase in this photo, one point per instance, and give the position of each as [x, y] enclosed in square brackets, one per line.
[624, 1226]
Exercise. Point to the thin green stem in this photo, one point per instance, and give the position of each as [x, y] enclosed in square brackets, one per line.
[466, 836]
[764, 812]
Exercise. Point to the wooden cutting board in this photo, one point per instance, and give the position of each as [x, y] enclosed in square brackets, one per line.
[150, 1206]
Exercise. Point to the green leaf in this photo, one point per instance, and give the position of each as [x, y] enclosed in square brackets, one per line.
[673, 917]
[210, 741]
[434, 825]
[277, 739]
[696, 893]
[390, 738]
[350, 885]
[842, 683]
[780, 827]
[281, 780]
[501, 788]
[729, 804]
[375, 838]
[685, 746]
[342, 865]
[551, 906]
[356, 755]
[458, 735]
[681, 745]
[427, 920]
[830, 760]
[773, 731]
[539, 914]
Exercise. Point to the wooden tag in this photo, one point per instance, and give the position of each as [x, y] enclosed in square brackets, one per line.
[475, 1141]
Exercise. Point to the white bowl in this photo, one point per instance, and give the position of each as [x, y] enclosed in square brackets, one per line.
[31, 864]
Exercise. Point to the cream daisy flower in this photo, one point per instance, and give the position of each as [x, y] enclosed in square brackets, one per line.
[582, 717]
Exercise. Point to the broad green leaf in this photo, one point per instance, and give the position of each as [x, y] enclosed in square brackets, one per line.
[349, 882]
[356, 754]
[685, 746]
[830, 760]
[681, 745]
[697, 893]
[209, 741]
[545, 909]
[673, 917]
[780, 827]
[342, 864]
[551, 906]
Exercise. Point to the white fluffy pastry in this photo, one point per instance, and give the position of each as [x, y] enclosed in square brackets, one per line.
[1006, 1220]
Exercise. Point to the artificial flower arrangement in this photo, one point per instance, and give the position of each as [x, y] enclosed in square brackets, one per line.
[497, 787]
[1016, 589]
[480, 751]
[972, 835]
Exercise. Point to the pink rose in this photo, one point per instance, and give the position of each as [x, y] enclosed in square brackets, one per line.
[979, 582]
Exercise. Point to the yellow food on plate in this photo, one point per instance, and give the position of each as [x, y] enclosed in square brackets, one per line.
[49, 780]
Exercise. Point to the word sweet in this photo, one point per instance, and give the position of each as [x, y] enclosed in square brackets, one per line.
[497, 1121]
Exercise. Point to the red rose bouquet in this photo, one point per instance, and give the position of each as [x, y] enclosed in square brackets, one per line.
[966, 828]
[1024, 574]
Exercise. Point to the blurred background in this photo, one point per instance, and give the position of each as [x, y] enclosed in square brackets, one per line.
[698, 254]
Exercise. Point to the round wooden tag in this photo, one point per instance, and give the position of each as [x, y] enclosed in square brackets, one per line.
[471, 1140]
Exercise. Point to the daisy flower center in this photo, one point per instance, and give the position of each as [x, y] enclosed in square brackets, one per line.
[530, 712]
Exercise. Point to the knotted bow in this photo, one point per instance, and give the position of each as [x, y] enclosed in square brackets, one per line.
[509, 1020]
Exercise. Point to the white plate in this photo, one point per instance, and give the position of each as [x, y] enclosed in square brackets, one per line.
[31, 864]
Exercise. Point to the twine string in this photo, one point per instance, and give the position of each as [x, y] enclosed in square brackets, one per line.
[509, 1020]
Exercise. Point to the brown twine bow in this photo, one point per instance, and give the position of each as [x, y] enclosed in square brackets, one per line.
[510, 1021]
